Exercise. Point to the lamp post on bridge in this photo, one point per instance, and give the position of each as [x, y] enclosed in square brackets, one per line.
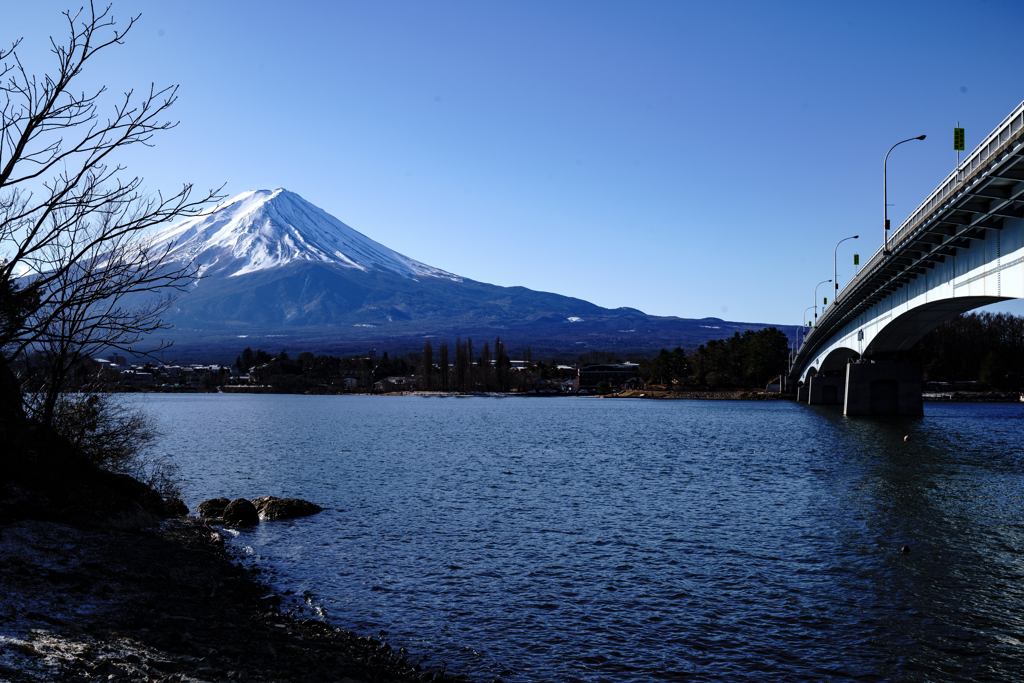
[885, 192]
[802, 326]
[835, 277]
[816, 299]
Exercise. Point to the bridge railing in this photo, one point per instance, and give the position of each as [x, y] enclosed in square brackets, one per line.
[987, 148]
[977, 158]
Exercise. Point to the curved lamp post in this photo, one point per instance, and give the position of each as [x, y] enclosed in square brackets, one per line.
[816, 298]
[885, 192]
[835, 278]
[803, 328]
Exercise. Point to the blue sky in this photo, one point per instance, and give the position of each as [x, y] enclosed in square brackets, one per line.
[684, 159]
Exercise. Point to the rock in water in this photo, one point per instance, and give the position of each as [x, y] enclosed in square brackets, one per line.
[213, 507]
[272, 507]
[176, 508]
[240, 512]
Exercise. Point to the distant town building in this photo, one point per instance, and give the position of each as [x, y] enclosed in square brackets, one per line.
[616, 374]
[389, 384]
[134, 376]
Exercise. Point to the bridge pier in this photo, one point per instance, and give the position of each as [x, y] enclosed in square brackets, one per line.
[826, 390]
[802, 393]
[883, 389]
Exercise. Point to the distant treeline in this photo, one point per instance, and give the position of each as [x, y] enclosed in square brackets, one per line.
[455, 368]
[745, 360]
[983, 347]
[308, 372]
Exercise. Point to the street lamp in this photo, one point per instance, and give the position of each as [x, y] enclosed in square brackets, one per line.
[816, 299]
[885, 192]
[803, 327]
[835, 277]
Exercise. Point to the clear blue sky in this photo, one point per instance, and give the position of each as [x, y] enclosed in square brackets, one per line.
[684, 159]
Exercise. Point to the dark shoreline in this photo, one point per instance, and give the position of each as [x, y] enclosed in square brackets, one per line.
[972, 397]
[146, 601]
[721, 395]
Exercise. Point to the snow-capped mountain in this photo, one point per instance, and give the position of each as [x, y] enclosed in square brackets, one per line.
[264, 229]
[278, 269]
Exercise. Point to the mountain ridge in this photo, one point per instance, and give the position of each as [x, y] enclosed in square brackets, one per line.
[276, 266]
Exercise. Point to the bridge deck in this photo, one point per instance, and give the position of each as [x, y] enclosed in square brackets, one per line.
[987, 187]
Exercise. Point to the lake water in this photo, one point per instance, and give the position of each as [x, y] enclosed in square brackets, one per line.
[576, 539]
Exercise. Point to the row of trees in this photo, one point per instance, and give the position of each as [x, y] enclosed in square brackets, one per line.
[982, 347]
[491, 371]
[749, 359]
[307, 372]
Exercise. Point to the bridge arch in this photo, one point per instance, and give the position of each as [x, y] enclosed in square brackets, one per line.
[894, 335]
[906, 329]
[837, 359]
[811, 372]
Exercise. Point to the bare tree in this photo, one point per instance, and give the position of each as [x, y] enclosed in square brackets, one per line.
[77, 273]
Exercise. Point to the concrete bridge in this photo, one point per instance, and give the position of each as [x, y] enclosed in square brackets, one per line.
[962, 248]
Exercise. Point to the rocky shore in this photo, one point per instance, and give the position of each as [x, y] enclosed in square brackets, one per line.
[102, 578]
[137, 599]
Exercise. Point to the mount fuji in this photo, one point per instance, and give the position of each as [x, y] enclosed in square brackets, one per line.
[263, 230]
[275, 270]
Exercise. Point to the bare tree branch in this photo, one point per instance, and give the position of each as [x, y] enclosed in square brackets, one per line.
[73, 219]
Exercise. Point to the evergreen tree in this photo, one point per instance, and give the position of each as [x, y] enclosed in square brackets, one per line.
[245, 361]
[484, 368]
[428, 365]
[442, 359]
[502, 366]
[459, 380]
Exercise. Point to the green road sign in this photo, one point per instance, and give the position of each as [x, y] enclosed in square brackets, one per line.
[856, 259]
[824, 301]
[958, 139]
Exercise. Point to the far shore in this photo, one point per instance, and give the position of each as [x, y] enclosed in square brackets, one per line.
[660, 394]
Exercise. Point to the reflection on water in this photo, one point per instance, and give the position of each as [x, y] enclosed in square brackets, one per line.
[574, 539]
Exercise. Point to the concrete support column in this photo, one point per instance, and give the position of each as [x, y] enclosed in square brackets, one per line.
[826, 390]
[802, 392]
[883, 389]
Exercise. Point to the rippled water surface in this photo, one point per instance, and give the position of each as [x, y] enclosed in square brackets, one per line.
[614, 540]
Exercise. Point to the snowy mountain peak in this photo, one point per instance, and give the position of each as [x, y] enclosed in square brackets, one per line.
[264, 229]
